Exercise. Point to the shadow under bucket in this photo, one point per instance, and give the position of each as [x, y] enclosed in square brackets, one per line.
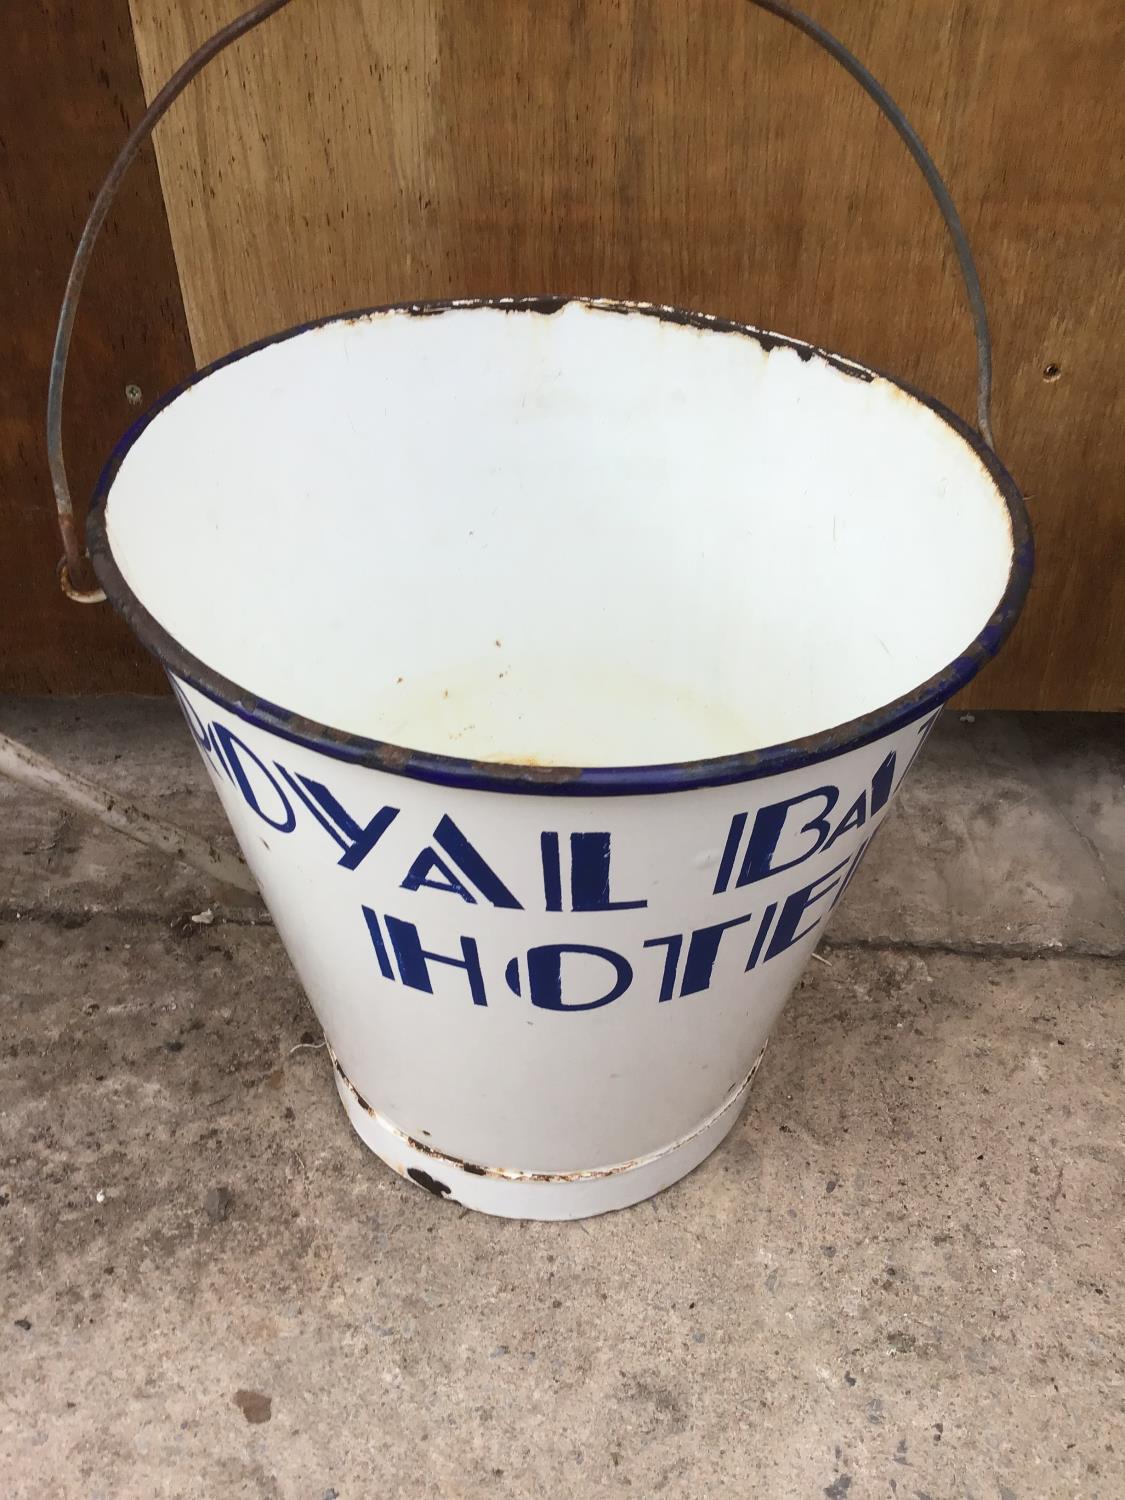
[661, 609]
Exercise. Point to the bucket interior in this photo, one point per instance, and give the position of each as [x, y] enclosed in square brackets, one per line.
[582, 537]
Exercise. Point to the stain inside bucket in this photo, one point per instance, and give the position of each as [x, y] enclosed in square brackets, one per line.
[501, 710]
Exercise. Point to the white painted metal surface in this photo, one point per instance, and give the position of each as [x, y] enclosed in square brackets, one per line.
[525, 541]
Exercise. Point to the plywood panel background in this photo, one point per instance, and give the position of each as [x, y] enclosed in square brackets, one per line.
[698, 152]
[69, 91]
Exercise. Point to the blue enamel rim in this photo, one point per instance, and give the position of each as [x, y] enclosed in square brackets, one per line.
[455, 771]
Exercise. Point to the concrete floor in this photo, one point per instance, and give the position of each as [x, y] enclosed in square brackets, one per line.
[901, 1276]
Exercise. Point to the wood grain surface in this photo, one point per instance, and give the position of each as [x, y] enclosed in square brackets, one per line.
[69, 92]
[698, 152]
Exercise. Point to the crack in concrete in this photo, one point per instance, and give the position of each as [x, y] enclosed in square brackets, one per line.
[962, 949]
[76, 917]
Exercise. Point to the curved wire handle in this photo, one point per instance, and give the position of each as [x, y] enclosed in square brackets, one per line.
[871, 85]
[74, 567]
[75, 573]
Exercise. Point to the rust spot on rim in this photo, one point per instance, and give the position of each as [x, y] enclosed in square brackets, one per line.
[359, 1099]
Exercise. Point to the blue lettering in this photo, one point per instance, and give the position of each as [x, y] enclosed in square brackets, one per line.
[794, 908]
[703, 949]
[671, 961]
[355, 839]
[420, 871]
[726, 864]
[856, 817]
[769, 824]
[882, 782]
[376, 935]
[473, 866]
[413, 960]
[236, 753]
[552, 871]
[589, 875]
[763, 928]
[544, 973]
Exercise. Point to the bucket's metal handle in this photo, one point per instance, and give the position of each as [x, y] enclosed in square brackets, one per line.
[75, 573]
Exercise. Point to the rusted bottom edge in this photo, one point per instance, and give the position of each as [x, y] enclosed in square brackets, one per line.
[512, 1174]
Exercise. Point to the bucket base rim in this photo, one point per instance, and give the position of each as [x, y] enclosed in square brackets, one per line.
[538, 1195]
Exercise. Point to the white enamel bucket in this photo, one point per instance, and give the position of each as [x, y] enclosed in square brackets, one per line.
[556, 662]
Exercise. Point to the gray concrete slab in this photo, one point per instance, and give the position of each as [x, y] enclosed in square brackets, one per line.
[1010, 830]
[900, 1277]
[52, 858]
